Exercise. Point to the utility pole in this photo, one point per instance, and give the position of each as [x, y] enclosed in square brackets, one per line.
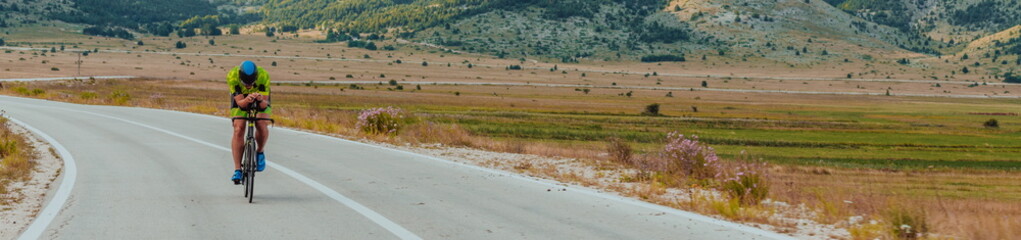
[79, 65]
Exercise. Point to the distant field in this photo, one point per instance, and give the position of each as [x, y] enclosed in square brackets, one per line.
[826, 149]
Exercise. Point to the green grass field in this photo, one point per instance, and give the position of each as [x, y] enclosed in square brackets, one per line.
[893, 133]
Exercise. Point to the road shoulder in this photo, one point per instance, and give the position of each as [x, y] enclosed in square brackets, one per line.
[29, 196]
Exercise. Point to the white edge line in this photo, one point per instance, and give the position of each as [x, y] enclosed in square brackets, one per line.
[70, 174]
[382, 221]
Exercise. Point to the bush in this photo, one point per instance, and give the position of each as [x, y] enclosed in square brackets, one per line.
[745, 181]
[26, 92]
[119, 97]
[619, 151]
[88, 95]
[379, 121]
[1011, 78]
[907, 223]
[651, 110]
[663, 58]
[992, 123]
[690, 157]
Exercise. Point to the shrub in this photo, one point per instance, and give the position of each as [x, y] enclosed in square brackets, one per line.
[120, 97]
[690, 157]
[745, 182]
[381, 121]
[992, 123]
[88, 95]
[663, 58]
[619, 151]
[1011, 78]
[907, 223]
[651, 110]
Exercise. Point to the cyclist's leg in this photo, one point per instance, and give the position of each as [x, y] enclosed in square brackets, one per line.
[262, 131]
[237, 142]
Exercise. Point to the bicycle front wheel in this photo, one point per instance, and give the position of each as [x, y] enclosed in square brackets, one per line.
[250, 166]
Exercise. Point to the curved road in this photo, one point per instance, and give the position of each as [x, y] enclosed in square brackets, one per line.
[144, 173]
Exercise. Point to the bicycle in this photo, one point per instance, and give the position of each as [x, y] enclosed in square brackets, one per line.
[248, 155]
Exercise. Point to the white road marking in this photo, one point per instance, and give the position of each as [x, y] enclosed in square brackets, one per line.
[70, 172]
[382, 221]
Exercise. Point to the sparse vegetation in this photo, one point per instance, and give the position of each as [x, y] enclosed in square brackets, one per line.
[17, 158]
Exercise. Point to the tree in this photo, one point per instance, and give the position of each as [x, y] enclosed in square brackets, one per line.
[180, 44]
[2, 42]
[53, 49]
[212, 42]
[235, 30]
[140, 43]
[663, 58]
[274, 63]
[1011, 78]
[651, 110]
[992, 123]
[705, 84]
[965, 70]
[186, 32]
[370, 46]
[269, 34]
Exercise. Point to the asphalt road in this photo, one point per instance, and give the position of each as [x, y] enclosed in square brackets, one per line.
[137, 173]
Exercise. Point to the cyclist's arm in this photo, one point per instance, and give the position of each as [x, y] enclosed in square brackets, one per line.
[243, 100]
[263, 101]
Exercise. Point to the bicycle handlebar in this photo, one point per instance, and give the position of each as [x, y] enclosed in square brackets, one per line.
[251, 108]
[253, 119]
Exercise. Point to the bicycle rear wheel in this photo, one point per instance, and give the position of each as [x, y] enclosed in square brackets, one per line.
[244, 169]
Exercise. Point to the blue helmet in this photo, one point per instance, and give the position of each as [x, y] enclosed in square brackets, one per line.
[248, 72]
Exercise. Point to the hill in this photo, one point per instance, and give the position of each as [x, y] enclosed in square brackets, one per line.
[790, 31]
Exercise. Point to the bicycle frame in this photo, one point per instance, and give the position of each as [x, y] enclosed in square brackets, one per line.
[248, 155]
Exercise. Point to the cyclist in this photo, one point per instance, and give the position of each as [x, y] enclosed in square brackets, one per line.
[248, 84]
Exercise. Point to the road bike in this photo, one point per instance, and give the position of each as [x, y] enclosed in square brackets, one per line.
[248, 163]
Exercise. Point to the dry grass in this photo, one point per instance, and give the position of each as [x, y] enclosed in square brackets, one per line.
[16, 157]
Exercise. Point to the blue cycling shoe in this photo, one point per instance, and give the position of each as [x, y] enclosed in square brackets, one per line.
[260, 162]
[237, 177]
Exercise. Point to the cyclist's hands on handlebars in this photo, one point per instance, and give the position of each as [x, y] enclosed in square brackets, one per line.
[256, 97]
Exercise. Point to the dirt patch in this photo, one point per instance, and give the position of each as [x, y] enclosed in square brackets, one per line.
[28, 196]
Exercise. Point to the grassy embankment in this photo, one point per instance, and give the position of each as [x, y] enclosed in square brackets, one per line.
[844, 156]
[16, 159]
